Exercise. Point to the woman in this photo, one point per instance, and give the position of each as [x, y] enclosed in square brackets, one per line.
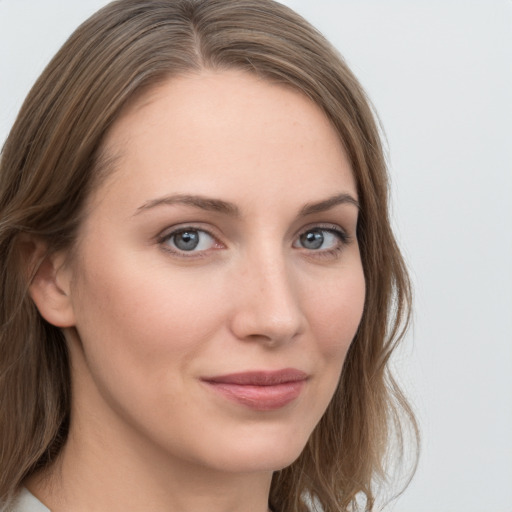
[201, 289]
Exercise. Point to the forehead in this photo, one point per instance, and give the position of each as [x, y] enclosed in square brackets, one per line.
[196, 130]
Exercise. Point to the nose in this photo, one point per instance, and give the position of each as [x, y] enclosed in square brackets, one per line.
[267, 302]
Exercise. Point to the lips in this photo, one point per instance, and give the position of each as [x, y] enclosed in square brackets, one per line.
[260, 390]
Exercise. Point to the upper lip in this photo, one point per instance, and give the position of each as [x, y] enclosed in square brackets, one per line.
[260, 377]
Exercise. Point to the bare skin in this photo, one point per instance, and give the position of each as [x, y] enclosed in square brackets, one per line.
[223, 243]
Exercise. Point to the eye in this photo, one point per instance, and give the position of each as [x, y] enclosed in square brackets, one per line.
[321, 239]
[189, 240]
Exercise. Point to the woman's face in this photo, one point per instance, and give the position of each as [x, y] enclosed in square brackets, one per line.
[217, 282]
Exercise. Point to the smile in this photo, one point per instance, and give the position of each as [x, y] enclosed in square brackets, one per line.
[260, 390]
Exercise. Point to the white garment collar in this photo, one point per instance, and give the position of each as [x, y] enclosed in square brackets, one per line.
[27, 502]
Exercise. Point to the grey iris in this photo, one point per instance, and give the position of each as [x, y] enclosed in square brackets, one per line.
[186, 240]
[312, 240]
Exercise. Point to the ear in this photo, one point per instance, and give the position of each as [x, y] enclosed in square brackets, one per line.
[50, 284]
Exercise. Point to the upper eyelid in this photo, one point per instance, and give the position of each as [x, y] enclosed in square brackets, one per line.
[337, 231]
[326, 226]
[169, 231]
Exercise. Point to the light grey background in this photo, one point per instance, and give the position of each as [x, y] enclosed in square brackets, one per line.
[440, 76]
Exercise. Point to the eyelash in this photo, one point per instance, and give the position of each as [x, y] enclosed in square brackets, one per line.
[164, 239]
[343, 237]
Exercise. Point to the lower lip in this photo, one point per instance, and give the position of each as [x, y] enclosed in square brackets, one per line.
[260, 398]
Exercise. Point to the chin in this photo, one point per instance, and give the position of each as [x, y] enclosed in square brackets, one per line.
[257, 461]
[260, 451]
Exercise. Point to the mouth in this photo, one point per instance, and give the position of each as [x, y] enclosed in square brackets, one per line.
[260, 390]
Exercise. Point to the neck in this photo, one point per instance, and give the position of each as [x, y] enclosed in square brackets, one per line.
[105, 468]
[82, 482]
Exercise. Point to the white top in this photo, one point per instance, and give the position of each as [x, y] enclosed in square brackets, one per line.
[27, 502]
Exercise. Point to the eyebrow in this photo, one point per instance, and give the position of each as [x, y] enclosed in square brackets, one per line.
[227, 208]
[201, 202]
[329, 203]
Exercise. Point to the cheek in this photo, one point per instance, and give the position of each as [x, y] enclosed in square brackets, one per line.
[335, 311]
[143, 312]
[140, 330]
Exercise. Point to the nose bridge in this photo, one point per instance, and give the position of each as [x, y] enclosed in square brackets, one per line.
[269, 306]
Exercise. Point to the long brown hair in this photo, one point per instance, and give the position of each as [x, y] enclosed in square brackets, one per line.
[53, 158]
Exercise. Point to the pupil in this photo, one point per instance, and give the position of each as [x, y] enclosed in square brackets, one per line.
[312, 239]
[187, 240]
